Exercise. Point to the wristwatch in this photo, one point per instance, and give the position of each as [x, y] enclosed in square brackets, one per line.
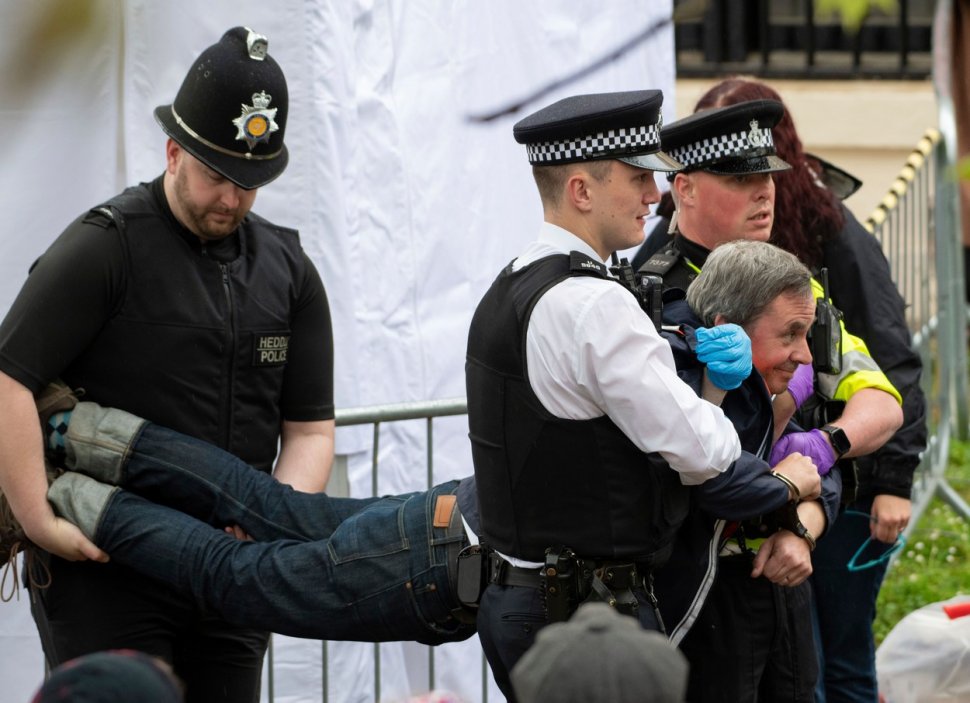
[840, 442]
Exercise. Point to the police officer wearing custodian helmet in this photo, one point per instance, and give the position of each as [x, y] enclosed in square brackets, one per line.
[175, 302]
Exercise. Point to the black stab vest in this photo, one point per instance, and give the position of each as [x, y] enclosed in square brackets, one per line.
[544, 481]
[196, 344]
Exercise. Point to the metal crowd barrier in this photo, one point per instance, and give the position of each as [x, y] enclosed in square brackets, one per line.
[916, 224]
[376, 416]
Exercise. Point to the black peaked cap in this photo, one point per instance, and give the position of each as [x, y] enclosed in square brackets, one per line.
[727, 140]
[624, 125]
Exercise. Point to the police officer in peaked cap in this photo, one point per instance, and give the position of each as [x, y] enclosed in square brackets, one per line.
[174, 301]
[733, 142]
[576, 414]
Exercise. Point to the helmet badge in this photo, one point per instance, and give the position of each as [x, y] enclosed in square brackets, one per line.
[257, 121]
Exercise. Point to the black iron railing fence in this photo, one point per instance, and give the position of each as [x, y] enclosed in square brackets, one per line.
[786, 39]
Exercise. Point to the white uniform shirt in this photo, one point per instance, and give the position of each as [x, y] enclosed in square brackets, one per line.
[591, 351]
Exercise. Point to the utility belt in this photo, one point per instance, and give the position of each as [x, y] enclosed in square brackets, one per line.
[740, 544]
[565, 581]
[743, 537]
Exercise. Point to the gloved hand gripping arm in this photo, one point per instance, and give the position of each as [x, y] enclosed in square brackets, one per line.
[726, 350]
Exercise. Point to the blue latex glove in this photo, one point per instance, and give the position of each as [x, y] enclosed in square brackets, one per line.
[811, 444]
[802, 384]
[726, 349]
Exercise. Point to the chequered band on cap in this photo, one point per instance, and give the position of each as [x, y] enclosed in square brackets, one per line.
[755, 142]
[615, 141]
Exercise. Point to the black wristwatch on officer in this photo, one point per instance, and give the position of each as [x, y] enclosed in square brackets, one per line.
[839, 440]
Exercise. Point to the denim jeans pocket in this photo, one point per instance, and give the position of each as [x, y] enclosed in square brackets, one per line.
[377, 530]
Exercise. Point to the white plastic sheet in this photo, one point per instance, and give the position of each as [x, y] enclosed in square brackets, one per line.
[408, 208]
[925, 658]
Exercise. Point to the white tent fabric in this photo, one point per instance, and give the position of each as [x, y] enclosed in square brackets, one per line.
[407, 206]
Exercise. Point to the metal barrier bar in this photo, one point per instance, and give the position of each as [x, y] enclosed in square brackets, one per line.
[376, 415]
[916, 225]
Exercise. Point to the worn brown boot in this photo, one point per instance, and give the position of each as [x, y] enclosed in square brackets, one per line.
[55, 397]
[13, 540]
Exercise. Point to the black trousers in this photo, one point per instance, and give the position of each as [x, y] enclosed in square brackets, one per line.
[509, 617]
[91, 607]
[752, 642]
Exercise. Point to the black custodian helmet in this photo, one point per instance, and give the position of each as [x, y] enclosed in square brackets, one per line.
[230, 112]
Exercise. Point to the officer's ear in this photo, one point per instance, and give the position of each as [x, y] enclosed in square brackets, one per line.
[578, 190]
[719, 319]
[683, 187]
[173, 155]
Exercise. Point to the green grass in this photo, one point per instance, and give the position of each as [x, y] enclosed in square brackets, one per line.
[934, 564]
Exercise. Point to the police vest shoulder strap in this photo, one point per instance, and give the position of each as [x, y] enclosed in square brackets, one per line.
[129, 205]
[583, 264]
[105, 216]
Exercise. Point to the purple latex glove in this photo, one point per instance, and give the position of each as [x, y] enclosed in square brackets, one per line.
[812, 444]
[802, 384]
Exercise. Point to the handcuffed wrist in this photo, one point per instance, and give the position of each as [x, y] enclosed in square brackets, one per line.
[808, 537]
[793, 492]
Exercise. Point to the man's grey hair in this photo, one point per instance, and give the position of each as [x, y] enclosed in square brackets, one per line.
[741, 279]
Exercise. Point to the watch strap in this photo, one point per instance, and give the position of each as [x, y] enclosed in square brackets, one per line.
[840, 442]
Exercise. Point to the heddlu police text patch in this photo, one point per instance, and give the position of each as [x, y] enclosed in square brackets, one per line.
[269, 348]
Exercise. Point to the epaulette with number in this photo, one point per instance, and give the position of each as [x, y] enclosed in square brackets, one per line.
[583, 263]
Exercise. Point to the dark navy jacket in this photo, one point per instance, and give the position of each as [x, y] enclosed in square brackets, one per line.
[745, 492]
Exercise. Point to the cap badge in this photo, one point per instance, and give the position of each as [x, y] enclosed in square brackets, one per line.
[257, 45]
[755, 136]
[257, 121]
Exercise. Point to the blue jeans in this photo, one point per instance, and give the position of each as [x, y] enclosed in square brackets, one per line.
[377, 569]
[845, 607]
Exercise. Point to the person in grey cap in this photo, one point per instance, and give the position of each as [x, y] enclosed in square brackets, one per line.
[175, 301]
[599, 656]
[580, 471]
[726, 193]
[114, 676]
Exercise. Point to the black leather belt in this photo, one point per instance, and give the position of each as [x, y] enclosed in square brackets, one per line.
[613, 574]
[502, 573]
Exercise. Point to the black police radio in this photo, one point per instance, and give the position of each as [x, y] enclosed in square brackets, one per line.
[647, 288]
[825, 343]
[825, 334]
